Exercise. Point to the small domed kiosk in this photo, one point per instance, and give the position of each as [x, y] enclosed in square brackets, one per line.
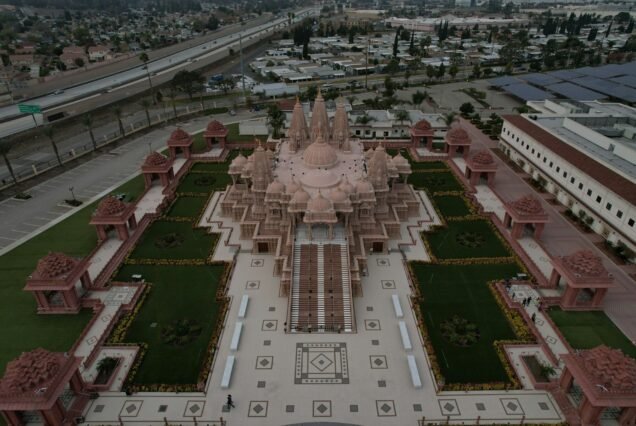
[114, 213]
[422, 135]
[606, 378]
[157, 166]
[481, 168]
[35, 381]
[525, 215]
[180, 141]
[457, 142]
[586, 280]
[53, 283]
[215, 135]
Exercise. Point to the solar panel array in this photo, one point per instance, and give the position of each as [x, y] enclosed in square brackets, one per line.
[583, 84]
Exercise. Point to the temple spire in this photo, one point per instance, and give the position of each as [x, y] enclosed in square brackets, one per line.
[298, 134]
[340, 135]
[319, 119]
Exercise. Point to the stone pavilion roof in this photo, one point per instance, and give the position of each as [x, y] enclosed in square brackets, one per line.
[609, 369]
[31, 371]
[483, 158]
[585, 263]
[215, 126]
[179, 137]
[55, 265]
[457, 136]
[154, 159]
[527, 205]
[110, 206]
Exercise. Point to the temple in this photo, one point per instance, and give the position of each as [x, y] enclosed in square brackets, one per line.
[320, 204]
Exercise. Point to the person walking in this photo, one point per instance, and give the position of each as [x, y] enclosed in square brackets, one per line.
[230, 403]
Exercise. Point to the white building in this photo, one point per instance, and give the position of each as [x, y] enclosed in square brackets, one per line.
[586, 154]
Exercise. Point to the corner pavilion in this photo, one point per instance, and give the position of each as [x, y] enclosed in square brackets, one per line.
[320, 204]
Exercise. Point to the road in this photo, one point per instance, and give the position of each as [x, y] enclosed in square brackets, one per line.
[123, 84]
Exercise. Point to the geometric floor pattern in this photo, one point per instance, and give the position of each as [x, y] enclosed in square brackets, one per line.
[318, 363]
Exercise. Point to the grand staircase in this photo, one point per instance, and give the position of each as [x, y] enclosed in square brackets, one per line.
[321, 285]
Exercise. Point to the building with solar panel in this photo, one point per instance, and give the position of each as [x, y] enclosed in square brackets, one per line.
[583, 152]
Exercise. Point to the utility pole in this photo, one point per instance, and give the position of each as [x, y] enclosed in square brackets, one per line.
[242, 69]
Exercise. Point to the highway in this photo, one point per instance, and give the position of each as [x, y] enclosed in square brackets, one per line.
[15, 122]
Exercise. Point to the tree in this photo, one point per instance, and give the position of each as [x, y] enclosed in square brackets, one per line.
[402, 115]
[145, 104]
[449, 118]
[172, 95]
[306, 50]
[48, 132]
[105, 366]
[476, 70]
[79, 62]
[187, 82]
[276, 119]
[418, 97]
[412, 44]
[227, 85]
[144, 58]
[395, 42]
[393, 66]
[87, 120]
[592, 35]
[389, 87]
[441, 70]
[351, 100]
[430, 71]
[453, 70]
[118, 112]
[630, 27]
[364, 119]
[407, 76]
[5, 147]
[466, 108]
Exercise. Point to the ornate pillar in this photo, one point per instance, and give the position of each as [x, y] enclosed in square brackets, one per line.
[429, 143]
[589, 413]
[122, 232]
[86, 281]
[597, 299]
[101, 232]
[42, 301]
[76, 383]
[517, 230]
[538, 230]
[628, 416]
[569, 297]
[148, 180]
[70, 299]
[491, 179]
[12, 418]
[132, 222]
[554, 278]
[566, 380]
[507, 220]
[164, 179]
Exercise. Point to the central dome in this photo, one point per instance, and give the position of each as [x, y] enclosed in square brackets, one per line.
[320, 155]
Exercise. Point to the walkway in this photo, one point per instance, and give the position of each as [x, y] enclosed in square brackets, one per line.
[560, 237]
[362, 378]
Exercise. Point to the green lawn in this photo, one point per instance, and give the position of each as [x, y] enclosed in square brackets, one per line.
[187, 207]
[585, 330]
[429, 165]
[22, 329]
[234, 136]
[204, 182]
[210, 167]
[435, 181]
[178, 292]
[451, 205]
[198, 143]
[195, 244]
[464, 239]
[449, 290]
